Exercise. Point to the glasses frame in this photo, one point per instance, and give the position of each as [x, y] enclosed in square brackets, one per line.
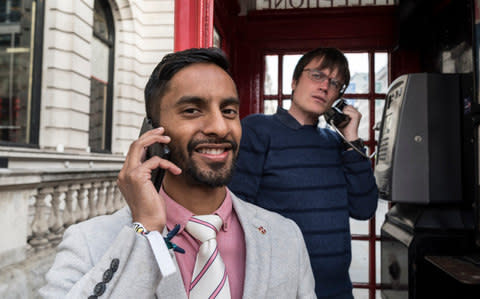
[333, 84]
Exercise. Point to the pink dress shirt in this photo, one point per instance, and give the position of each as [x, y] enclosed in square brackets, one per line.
[230, 240]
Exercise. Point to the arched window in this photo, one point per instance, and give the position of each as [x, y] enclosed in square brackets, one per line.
[21, 27]
[101, 82]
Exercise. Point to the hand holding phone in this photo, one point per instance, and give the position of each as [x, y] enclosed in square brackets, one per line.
[345, 120]
[157, 149]
[137, 184]
[335, 116]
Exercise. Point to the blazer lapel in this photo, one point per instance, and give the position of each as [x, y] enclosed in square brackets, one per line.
[258, 250]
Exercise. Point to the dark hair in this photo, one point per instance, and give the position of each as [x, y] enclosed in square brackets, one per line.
[170, 65]
[332, 59]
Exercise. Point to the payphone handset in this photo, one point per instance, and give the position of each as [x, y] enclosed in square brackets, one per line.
[335, 116]
[339, 120]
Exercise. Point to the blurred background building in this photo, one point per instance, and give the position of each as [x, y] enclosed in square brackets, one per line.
[72, 74]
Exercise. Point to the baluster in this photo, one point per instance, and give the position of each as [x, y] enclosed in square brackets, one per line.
[111, 198]
[69, 213]
[76, 205]
[31, 215]
[39, 239]
[119, 203]
[82, 207]
[102, 198]
[55, 222]
[92, 199]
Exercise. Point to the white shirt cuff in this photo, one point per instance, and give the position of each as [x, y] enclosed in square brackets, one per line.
[161, 253]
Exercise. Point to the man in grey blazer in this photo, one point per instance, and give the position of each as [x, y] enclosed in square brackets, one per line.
[192, 102]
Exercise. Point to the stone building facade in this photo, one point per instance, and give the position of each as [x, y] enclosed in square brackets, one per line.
[67, 122]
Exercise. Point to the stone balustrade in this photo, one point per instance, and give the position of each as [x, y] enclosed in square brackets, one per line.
[37, 204]
[61, 204]
[60, 198]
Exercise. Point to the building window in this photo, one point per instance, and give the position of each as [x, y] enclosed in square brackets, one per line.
[101, 82]
[20, 70]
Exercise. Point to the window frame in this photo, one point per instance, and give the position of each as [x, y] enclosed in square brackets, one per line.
[110, 43]
[36, 46]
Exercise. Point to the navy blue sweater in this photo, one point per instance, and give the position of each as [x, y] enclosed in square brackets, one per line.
[303, 173]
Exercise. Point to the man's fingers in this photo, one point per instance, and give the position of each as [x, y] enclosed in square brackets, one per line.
[157, 162]
[351, 111]
[138, 148]
[159, 130]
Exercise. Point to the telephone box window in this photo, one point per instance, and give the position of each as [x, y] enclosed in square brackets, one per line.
[289, 63]
[270, 84]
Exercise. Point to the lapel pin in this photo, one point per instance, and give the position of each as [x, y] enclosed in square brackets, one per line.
[262, 230]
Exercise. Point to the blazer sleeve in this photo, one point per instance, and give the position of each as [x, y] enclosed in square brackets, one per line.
[251, 159]
[361, 186]
[76, 274]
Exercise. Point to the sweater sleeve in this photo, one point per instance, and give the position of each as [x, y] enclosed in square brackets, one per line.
[361, 186]
[249, 166]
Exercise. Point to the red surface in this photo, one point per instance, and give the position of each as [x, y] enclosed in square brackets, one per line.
[193, 26]
[367, 29]
[246, 39]
[299, 30]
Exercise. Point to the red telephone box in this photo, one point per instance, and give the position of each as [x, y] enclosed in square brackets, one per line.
[249, 36]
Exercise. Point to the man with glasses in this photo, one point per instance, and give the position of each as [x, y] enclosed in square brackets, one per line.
[289, 165]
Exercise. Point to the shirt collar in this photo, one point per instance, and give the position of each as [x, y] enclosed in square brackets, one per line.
[287, 119]
[177, 214]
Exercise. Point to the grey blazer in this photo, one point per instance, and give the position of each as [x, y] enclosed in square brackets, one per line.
[107, 249]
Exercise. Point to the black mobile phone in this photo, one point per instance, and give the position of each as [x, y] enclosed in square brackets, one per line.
[335, 116]
[156, 149]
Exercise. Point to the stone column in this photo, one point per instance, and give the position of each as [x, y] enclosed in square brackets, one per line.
[110, 205]
[92, 199]
[70, 202]
[56, 220]
[40, 230]
[119, 202]
[82, 207]
[102, 198]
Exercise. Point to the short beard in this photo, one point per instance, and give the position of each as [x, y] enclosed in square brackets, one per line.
[219, 174]
[212, 178]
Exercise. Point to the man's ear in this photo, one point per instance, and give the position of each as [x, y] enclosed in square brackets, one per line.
[294, 84]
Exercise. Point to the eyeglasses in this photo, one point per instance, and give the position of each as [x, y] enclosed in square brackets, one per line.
[319, 76]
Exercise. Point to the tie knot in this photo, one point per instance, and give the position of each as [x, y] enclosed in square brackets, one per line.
[204, 227]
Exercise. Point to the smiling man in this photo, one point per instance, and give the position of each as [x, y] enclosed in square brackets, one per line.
[223, 247]
[289, 165]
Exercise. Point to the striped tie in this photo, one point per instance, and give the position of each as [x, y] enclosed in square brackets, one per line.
[209, 279]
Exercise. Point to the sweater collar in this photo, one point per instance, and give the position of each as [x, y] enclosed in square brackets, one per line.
[287, 119]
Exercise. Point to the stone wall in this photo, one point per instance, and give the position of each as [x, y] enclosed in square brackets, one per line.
[47, 187]
[143, 35]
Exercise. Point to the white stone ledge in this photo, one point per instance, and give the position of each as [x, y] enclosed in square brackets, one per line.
[28, 162]
[15, 178]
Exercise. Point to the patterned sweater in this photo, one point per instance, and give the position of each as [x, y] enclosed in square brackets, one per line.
[303, 173]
